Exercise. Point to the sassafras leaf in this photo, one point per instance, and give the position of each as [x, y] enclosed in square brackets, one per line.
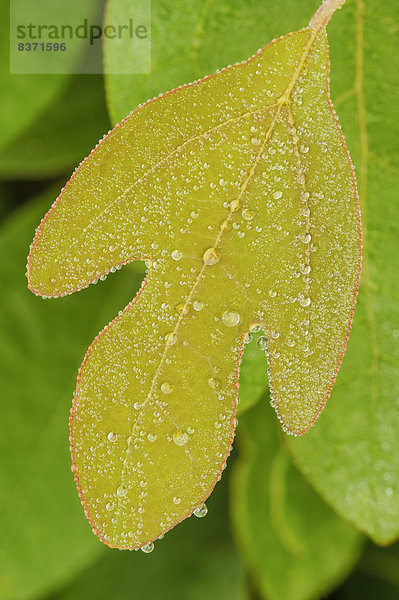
[238, 190]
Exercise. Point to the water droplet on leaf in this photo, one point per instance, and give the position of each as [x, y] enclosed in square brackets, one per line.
[180, 438]
[211, 256]
[201, 511]
[230, 319]
[176, 255]
[148, 548]
[262, 342]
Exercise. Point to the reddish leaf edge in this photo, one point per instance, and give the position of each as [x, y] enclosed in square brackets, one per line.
[359, 268]
[75, 400]
[134, 300]
[37, 292]
[145, 281]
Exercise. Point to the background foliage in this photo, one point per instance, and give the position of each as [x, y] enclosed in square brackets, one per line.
[294, 538]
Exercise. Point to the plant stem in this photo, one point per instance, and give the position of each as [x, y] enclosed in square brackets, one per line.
[324, 13]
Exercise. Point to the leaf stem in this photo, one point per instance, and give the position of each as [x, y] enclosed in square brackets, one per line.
[325, 12]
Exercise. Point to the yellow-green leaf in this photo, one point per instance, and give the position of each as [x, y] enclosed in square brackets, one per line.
[239, 192]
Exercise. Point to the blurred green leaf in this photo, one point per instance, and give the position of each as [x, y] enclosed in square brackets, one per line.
[190, 42]
[23, 97]
[195, 561]
[26, 98]
[352, 455]
[45, 540]
[62, 137]
[295, 546]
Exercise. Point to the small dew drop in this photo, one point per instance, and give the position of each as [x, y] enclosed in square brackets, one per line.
[248, 214]
[305, 238]
[255, 141]
[277, 194]
[151, 437]
[121, 491]
[211, 256]
[235, 205]
[109, 506]
[180, 438]
[198, 305]
[230, 319]
[262, 342]
[248, 338]
[254, 328]
[112, 437]
[170, 338]
[304, 269]
[304, 301]
[176, 255]
[166, 387]
[148, 548]
[176, 500]
[182, 308]
[212, 383]
[201, 511]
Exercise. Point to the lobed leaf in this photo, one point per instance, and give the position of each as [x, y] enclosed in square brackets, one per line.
[238, 191]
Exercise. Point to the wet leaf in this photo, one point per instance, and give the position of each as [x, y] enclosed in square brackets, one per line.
[294, 545]
[356, 441]
[239, 192]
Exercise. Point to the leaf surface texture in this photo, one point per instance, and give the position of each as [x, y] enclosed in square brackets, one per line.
[238, 191]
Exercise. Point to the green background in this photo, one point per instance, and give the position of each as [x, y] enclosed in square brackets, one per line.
[292, 519]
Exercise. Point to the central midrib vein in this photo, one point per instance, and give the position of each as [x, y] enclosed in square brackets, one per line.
[284, 99]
